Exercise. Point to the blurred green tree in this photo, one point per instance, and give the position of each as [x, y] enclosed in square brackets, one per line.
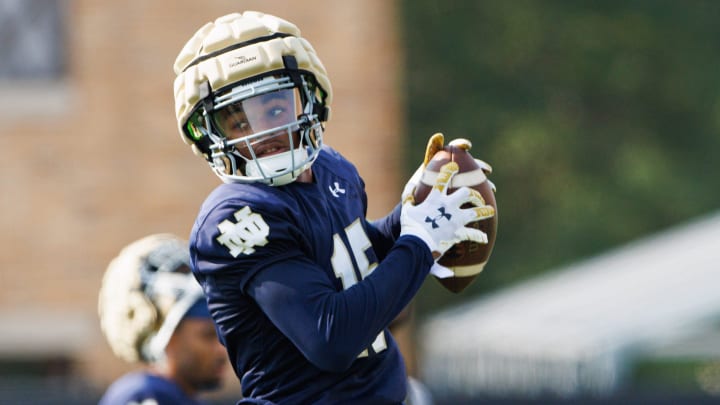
[600, 118]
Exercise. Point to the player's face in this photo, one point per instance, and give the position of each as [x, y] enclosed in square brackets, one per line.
[273, 112]
[200, 360]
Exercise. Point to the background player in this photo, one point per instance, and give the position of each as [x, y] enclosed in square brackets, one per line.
[300, 284]
[152, 311]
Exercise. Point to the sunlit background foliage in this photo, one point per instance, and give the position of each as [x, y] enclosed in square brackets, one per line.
[600, 118]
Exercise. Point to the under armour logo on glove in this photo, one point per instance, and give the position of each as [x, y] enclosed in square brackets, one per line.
[442, 214]
[450, 225]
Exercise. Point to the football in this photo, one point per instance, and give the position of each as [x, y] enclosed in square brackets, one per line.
[466, 259]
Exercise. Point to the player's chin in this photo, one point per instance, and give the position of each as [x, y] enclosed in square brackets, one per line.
[211, 383]
[214, 379]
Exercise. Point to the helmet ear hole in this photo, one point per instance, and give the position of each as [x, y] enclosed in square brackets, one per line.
[312, 136]
[224, 164]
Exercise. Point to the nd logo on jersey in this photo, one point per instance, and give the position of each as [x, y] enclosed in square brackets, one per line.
[241, 237]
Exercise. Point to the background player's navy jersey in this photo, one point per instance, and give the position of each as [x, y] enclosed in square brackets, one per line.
[280, 269]
[138, 387]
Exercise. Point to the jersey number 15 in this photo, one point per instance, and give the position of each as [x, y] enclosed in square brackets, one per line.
[342, 263]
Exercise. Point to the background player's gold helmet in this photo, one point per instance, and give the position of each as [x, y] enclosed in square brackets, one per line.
[145, 292]
[225, 69]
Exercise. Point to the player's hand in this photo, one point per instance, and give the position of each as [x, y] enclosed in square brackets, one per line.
[434, 145]
[439, 221]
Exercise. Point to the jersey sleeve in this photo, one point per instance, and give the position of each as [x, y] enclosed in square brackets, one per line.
[240, 235]
[332, 327]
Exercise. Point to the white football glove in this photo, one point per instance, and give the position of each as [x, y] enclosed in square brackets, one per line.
[439, 221]
[440, 271]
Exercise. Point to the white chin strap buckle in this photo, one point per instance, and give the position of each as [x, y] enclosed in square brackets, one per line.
[279, 166]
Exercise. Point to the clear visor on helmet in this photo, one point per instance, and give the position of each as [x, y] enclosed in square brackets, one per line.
[261, 125]
[264, 131]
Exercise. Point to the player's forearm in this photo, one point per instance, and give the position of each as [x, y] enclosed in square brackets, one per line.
[332, 327]
[352, 319]
[389, 225]
[384, 232]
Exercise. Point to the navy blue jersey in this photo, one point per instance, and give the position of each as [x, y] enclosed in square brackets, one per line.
[281, 270]
[138, 387]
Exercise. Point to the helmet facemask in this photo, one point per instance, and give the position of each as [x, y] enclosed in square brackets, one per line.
[173, 290]
[267, 130]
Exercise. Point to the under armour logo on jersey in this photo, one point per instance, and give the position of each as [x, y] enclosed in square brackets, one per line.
[337, 190]
[442, 214]
[148, 401]
[242, 237]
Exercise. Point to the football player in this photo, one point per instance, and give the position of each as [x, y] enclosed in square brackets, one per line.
[301, 285]
[153, 311]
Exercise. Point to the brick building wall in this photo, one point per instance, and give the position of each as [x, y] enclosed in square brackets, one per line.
[94, 161]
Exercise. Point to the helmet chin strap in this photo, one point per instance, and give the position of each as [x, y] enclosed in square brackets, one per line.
[269, 165]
